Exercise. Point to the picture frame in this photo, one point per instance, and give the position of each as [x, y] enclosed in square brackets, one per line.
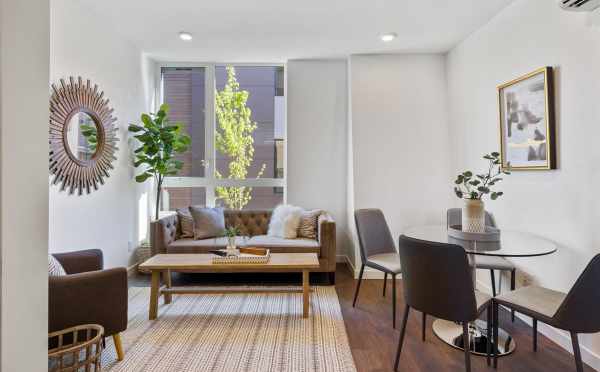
[527, 121]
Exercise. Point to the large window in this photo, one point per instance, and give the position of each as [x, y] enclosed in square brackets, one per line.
[235, 116]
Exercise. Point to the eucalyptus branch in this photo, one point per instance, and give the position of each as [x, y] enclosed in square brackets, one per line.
[483, 183]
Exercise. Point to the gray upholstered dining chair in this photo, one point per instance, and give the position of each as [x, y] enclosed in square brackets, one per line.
[491, 263]
[576, 311]
[377, 250]
[445, 292]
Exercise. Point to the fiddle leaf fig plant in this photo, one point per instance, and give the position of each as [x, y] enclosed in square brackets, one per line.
[475, 186]
[91, 135]
[160, 140]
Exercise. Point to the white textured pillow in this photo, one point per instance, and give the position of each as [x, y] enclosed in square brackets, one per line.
[54, 267]
[285, 221]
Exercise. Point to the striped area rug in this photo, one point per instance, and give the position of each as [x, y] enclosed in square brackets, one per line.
[234, 332]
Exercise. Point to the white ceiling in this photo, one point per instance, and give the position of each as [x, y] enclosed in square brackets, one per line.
[278, 30]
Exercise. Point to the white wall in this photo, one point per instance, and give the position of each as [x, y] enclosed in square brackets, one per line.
[83, 45]
[561, 205]
[399, 136]
[317, 139]
[24, 51]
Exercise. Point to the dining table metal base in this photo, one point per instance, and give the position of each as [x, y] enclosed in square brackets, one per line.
[452, 334]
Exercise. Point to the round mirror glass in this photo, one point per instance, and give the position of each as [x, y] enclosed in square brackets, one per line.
[82, 136]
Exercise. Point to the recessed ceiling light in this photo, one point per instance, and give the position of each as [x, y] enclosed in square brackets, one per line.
[388, 37]
[186, 36]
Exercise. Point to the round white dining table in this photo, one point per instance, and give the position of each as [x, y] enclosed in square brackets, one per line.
[512, 244]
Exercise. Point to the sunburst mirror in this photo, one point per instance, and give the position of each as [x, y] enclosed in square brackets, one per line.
[83, 136]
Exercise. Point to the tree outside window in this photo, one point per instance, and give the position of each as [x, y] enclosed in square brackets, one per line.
[233, 138]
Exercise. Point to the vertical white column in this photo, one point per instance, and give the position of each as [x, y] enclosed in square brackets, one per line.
[210, 120]
[24, 93]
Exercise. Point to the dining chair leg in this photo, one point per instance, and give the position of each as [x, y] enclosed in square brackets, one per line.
[424, 326]
[576, 352]
[488, 344]
[466, 346]
[384, 283]
[495, 332]
[394, 300]
[535, 334]
[402, 331]
[362, 269]
[513, 278]
[493, 281]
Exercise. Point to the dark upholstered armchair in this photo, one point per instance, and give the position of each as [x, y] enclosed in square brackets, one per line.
[88, 294]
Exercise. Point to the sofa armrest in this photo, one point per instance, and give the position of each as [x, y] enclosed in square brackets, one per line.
[81, 261]
[162, 233]
[98, 297]
[326, 236]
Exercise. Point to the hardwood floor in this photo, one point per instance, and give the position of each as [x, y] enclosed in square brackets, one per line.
[373, 341]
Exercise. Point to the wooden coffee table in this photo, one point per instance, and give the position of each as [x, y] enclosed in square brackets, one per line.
[202, 263]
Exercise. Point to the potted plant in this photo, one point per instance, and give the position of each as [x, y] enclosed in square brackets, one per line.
[231, 233]
[472, 188]
[159, 142]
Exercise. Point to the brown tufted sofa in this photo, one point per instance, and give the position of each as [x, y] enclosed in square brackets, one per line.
[166, 237]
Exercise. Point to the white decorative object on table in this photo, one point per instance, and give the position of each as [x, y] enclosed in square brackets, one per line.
[231, 243]
[231, 233]
[473, 216]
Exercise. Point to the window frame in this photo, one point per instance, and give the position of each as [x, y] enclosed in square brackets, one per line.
[210, 182]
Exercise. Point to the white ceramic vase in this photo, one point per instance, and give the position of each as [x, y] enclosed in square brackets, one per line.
[473, 216]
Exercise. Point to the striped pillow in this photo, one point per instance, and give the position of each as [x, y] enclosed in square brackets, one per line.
[308, 224]
[54, 267]
[186, 222]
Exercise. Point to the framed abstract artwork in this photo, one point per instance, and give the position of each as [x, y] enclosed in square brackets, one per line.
[527, 124]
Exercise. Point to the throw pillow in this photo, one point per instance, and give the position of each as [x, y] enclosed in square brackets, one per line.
[186, 222]
[54, 267]
[284, 222]
[308, 224]
[208, 222]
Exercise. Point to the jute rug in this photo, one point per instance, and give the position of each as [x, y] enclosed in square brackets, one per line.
[234, 332]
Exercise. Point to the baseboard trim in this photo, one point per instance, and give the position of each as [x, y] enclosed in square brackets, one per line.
[371, 273]
[559, 337]
[368, 274]
[343, 258]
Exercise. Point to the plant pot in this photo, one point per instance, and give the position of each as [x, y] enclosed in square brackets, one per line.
[473, 216]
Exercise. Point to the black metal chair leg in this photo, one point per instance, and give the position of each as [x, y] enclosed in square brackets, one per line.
[402, 331]
[424, 326]
[384, 283]
[576, 352]
[362, 269]
[493, 280]
[488, 345]
[535, 334]
[394, 300]
[513, 278]
[467, 346]
[495, 333]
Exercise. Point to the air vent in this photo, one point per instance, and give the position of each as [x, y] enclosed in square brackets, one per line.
[579, 5]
